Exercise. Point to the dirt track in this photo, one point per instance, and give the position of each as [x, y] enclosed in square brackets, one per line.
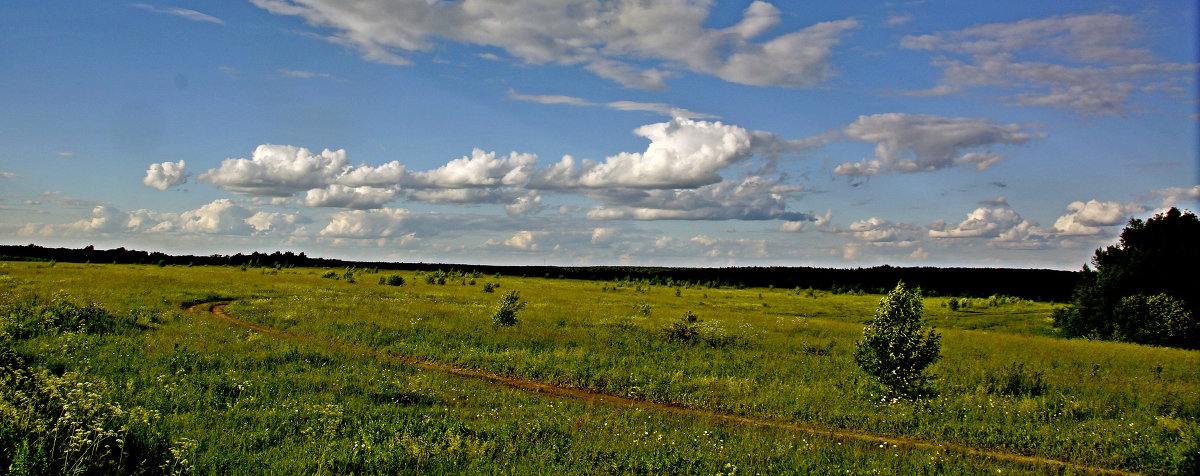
[218, 310]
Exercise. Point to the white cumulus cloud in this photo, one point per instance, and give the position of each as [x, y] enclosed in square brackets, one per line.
[341, 196]
[981, 223]
[1086, 218]
[165, 175]
[278, 171]
[380, 223]
[682, 153]
[481, 169]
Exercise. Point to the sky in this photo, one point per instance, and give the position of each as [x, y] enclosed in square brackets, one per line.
[573, 132]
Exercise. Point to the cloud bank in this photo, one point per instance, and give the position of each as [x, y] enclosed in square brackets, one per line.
[614, 40]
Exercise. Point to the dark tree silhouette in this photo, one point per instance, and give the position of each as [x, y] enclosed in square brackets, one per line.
[1144, 288]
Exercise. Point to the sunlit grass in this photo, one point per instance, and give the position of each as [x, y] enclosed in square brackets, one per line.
[259, 403]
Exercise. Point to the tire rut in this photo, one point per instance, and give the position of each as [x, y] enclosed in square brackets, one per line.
[218, 311]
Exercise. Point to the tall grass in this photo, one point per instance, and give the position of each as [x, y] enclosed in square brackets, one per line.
[230, 399]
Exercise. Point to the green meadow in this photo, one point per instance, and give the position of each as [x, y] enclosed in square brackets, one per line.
[126, 369]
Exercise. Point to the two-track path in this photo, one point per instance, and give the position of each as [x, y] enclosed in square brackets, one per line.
[218, 310]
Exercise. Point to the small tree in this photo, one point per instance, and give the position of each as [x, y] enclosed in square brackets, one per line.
[506, 309]
[895, 349]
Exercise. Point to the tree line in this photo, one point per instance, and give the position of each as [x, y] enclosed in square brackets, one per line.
[1034, 284]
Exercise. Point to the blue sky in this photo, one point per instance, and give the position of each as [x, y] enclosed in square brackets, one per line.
[575, 132]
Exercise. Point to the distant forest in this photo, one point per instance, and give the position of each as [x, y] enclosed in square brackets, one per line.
[1036, 284]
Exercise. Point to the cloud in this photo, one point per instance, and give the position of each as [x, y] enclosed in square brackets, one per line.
[549, 99]
[753, 198]
[981, 223]
[390, 174]
[104, 219]
[878, 230]
[1087, 218]
[65, 154]
[221, 216]
[341, 196]
[659, 108]
[380, 223]
[9, 175]
[524, 240]
[278, 171]
[655, 107]
[292, 73]
[1001, 201]
[678, 176]
[896, 20]
[1087, 63]
[274, 222]
[180, 12]
[481, 169]
[633, 43]
[57, 198]
[1174, 195]
[524, 205]
[906, 143]
[165, 175]
[604, 236]
[682, 153]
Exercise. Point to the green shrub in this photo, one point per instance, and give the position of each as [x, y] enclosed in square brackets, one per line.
[1157, 319]
[895, 349]
[329, 275]
[687, 329]
[506, 309]
[489, 287]
[392, 280]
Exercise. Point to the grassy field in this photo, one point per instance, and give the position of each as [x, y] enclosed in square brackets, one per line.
[763, 383]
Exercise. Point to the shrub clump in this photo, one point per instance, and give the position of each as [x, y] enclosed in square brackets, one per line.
[895, 349]
[687, 329]
[506, 309]
[392, 280]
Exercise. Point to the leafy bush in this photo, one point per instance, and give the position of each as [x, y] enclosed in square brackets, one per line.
[895, 349]
[489, 287]
[330, 275]
[1158, 319]
[686, 330]
[392, 280]
[506, 309]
